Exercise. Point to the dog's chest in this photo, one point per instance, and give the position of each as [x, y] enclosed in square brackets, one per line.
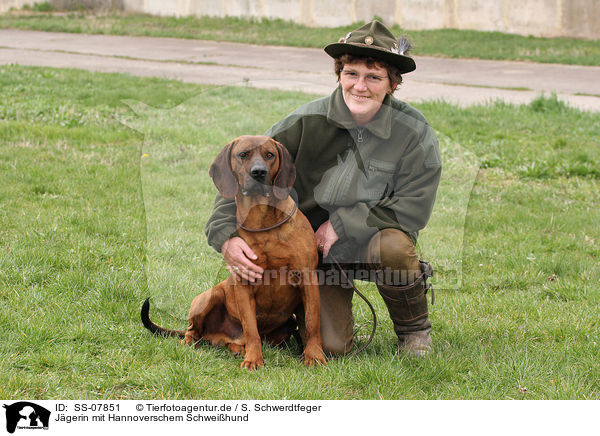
[292, 245]
[276, 303]
[279, 251]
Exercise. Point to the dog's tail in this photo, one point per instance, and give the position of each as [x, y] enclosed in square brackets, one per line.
[157, 330]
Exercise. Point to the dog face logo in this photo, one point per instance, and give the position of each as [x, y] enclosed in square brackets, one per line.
[26, 415]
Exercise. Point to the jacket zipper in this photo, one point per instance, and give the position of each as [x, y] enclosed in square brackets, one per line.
[360, 135]
[346, 169]
[342, 178]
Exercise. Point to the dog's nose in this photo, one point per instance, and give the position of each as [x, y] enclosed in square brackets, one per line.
[258, 173]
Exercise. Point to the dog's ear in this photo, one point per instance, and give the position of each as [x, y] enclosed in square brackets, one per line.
[222, 174]
[286, 175]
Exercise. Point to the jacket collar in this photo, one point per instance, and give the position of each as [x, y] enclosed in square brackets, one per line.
[339, 114]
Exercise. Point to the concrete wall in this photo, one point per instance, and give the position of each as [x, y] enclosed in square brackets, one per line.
[572, 18]
[7, 5]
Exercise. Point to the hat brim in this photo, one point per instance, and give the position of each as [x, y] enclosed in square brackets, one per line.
[404, 63]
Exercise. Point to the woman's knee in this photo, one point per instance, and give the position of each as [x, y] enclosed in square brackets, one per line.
[393, 250]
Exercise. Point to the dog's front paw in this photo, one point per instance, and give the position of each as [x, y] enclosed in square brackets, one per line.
[313, 356]
[252, 362]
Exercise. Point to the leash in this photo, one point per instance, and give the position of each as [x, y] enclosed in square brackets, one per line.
[360, 294]
[273, 226]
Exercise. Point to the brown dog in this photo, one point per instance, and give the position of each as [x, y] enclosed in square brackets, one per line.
[259, 173]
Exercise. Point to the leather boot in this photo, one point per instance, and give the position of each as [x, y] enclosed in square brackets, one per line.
[407, 306]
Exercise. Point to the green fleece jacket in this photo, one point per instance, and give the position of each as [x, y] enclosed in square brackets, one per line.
[384, 175]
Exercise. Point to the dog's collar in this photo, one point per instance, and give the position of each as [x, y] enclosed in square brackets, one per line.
[273, 226]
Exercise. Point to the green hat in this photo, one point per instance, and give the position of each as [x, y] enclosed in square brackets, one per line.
[374, 40]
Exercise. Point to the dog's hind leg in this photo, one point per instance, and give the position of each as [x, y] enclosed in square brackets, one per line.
[200, 308]
[209, 320]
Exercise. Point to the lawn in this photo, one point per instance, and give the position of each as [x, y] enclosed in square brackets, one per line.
[104, 192]
[442, 42]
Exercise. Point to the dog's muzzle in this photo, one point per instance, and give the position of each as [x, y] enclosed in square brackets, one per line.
[256, 181]
[259, 173]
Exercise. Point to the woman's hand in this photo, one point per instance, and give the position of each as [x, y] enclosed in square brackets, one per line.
[238, 257]
[326, 237]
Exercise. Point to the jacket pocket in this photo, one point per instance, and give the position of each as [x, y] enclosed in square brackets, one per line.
[378, 181]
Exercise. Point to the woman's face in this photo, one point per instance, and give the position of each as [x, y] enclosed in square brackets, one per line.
[364, 89]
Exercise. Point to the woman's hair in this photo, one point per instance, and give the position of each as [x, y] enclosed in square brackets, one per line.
[393, 72]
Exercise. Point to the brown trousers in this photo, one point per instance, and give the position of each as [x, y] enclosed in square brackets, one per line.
[392, 260]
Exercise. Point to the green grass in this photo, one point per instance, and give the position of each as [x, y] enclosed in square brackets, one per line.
[95, 216]
[39, 7]
[443, 42]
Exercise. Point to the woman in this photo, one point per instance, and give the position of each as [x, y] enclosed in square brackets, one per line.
[368, 168]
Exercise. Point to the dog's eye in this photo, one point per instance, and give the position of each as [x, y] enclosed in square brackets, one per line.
[269, 155]
[243, 155]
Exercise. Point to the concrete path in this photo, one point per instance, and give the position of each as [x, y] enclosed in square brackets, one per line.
[460, 81]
